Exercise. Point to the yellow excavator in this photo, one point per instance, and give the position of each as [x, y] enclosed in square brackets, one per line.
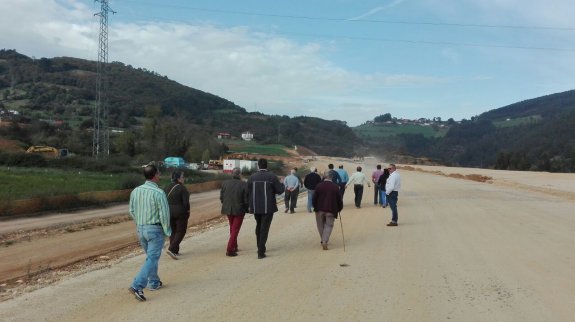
[48, 151]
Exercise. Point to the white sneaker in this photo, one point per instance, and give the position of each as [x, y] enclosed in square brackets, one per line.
[172, 255]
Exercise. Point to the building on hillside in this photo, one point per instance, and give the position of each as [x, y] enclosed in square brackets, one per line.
[224, 135]
[247, 136]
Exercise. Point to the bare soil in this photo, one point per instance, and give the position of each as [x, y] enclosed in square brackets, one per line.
[471, 245]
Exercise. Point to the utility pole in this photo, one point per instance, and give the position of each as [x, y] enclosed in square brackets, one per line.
[279, 135]
[101, 138]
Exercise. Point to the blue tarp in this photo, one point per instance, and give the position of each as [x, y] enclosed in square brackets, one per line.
[174, 162]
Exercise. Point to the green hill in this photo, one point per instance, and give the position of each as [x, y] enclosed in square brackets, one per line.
[151, 115]
[535, 134]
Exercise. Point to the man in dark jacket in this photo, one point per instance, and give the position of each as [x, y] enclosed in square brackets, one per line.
[234, 198]
[327, 202]
[263, 186]
[334, 175]
[310, 182]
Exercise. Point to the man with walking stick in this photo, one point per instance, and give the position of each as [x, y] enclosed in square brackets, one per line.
[327, 203]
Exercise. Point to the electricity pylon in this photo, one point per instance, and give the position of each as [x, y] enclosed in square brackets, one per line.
[101, 138]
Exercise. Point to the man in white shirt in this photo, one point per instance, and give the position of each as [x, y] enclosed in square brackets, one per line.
[358, 180]
[392, 187]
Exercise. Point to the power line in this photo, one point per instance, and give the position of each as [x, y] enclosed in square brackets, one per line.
[406, 41]
[426, 23]
[443, 43]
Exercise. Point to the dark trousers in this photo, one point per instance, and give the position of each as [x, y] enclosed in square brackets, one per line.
[179, 227]
[342, 188]
[376, 194]
[263, 223]
[235, 226]
[358, 190]
[291, 199]
[392, 200]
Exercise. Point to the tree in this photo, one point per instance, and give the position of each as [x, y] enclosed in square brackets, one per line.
[383, 118]
[206, 156]
[126, 143]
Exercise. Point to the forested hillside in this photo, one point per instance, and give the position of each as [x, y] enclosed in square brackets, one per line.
[536, 134]
[151, 116]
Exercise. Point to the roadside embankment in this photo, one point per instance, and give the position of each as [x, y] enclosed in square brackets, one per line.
[10, 208]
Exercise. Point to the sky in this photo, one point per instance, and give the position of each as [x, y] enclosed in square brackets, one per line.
[348, 60]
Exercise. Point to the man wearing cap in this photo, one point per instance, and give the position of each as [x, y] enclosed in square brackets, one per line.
[310, 182]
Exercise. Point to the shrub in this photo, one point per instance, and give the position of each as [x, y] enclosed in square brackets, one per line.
[22, 159]
[131, 181]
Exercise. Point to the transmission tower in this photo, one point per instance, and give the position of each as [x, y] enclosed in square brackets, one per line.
[101, 139]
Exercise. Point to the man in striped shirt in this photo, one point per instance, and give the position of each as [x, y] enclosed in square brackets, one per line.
[149, 209]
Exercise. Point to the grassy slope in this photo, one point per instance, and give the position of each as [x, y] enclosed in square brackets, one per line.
[375, 131]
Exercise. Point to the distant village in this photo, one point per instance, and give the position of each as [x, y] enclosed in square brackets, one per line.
[436, 121]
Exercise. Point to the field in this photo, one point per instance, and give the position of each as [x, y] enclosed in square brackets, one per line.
[252, 147]
[372, 131]
[25, 183]
[518, 121]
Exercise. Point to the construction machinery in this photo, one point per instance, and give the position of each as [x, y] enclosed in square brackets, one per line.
[48, 151]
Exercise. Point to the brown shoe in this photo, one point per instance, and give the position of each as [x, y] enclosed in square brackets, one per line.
[392, 224]
[324, 246]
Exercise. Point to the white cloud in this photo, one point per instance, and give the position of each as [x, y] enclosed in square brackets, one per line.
[254, 70]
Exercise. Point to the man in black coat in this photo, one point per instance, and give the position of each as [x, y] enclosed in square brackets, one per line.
[263, 186]
[327, 202]
[310, 181]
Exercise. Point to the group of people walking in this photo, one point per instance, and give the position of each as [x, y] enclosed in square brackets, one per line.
[159, 213]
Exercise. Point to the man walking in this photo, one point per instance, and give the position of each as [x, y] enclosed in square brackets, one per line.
[358, 180]
[149, 209]
[392, 187]
[310, 181]
[374, 179]
[263, 186]
[344, 178]
[234, 198]
[327, 202]
[336, 178]
[292, 184]
[179, 203]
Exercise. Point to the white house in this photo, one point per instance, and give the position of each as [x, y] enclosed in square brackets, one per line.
[247, 136]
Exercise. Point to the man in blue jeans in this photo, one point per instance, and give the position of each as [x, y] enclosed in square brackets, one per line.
[149, 209]
[392, 187]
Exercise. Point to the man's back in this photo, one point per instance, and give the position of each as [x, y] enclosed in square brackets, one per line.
[327, 197]
[343, 175]
[263, 186]
[148, 204]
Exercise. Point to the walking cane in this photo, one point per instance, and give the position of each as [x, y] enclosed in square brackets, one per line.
[342, 235]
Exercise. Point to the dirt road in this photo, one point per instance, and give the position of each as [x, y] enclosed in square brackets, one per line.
[83, 240]
[464, 251]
